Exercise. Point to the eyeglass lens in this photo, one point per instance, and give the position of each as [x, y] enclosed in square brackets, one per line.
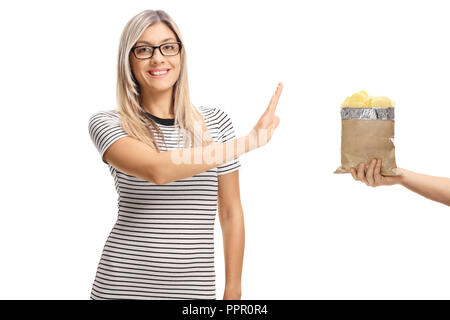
[168, 49]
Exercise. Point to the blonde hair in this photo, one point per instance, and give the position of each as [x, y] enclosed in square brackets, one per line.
[134, 121]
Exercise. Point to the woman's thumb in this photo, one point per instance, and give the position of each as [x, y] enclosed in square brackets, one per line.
[277, 122]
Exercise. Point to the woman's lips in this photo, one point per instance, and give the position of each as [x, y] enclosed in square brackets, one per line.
[158, 76]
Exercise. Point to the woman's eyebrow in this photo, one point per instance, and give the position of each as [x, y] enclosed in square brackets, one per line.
[160, 42]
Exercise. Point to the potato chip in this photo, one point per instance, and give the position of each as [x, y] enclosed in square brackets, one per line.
[358, 100]
[361, 99]
[380, 102]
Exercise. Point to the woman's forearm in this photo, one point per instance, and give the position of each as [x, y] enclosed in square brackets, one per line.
[233, 233]
[431, 187]
[186, 162]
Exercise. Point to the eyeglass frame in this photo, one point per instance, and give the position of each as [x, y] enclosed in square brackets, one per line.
[157, 47]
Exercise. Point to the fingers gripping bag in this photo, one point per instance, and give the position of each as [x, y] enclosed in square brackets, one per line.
[367, 133]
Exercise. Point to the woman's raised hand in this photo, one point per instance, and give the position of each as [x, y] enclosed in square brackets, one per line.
[263, 131]
[372, 176]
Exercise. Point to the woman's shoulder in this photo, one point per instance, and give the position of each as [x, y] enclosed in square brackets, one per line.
[107, 114]
[213, 113]
[218, 120]
[110, 116]
[207, 111]
[104, 119]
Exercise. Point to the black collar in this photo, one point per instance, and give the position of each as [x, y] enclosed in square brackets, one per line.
[164, 121]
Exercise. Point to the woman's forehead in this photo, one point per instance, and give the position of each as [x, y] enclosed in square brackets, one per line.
[156, 42]
[157, 34]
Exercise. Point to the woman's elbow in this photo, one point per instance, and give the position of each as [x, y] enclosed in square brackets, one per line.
[160, 177]
[156, 176]
[158, 180]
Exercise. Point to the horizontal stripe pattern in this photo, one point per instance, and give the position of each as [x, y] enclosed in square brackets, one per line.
[162, 244]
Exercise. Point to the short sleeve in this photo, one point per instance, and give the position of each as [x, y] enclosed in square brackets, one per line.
[226, 132]
[105, 129]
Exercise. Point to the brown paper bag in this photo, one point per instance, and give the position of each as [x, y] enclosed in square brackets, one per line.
[363, 140]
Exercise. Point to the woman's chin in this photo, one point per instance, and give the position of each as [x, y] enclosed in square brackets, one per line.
[162, 87]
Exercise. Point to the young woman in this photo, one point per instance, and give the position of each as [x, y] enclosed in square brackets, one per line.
[434, 188]
[162, 244]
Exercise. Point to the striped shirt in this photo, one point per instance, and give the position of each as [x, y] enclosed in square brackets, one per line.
[162, 244]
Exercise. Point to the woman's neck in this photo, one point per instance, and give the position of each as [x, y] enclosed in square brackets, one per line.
[159, 103]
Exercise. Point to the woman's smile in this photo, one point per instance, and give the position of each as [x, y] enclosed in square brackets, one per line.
[158, 73]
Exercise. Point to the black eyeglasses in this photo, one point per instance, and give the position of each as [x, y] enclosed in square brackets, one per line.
[166, 49]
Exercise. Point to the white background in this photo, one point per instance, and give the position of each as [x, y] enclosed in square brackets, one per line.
[310, 234]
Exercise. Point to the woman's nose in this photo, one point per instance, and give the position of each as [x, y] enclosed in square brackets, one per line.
[157, 56]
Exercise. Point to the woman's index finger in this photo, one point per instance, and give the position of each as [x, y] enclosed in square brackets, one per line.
[276, 97]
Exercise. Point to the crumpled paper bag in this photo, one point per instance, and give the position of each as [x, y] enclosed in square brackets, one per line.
[367, 132]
